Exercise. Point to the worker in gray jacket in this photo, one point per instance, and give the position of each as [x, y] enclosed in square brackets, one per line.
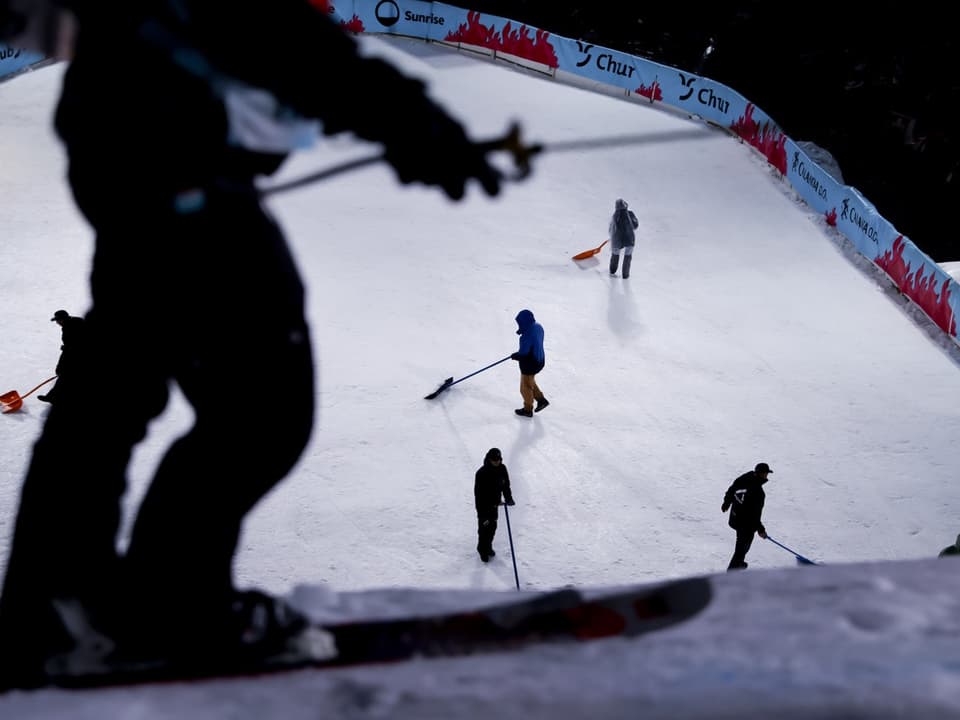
[622, 226]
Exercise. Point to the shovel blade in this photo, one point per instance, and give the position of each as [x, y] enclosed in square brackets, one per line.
[590, 253]
[446, 383]
[10, 402]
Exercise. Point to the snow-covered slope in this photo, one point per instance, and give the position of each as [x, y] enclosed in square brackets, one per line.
[745, 333]
[857, 641]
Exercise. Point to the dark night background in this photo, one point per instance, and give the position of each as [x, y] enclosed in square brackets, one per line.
[875, 85]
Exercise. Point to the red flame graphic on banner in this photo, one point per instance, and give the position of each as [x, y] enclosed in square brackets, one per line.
[652, 92]
[831, 217]
[766, 138]
[354, 24]
[919, 288]
[515, 42]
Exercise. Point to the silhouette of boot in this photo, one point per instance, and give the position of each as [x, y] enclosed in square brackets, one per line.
[626, 266]
[614, 261]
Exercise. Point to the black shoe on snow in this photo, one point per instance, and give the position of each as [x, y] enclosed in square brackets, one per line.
[485, 557]
[262, 624]
[524, 412]
[541, 404]
[200, 636]
[30, 637]
[246, 628]
[491, 552]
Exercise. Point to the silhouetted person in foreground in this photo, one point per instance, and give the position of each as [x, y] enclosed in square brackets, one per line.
[193, 283]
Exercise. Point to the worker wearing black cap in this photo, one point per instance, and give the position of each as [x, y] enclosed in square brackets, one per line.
[745, 500]
[71, 330]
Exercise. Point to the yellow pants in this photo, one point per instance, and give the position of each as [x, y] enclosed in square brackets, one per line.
[529, 391]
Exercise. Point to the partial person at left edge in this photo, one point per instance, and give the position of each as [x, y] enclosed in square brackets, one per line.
[156, 112]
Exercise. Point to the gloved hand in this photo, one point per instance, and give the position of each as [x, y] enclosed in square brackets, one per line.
[724, 507]
[421, 140]
[509, 502]
[434, 149]
[515, 356]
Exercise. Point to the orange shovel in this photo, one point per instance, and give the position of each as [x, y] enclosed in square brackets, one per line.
[11, 401]
[590, 253]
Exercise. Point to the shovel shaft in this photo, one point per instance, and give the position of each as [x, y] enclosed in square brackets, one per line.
[477, 372]
[513, 554]
[449, 382]
[798, 556]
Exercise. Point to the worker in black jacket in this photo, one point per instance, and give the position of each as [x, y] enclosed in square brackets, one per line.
[491, 483]
[71, 334]
[745, 498]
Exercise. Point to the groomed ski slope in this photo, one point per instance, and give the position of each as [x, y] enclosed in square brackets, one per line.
[745, 333]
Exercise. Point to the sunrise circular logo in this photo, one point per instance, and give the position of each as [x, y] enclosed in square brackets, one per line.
[387, 12]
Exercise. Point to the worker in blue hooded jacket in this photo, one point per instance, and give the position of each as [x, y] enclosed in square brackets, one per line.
[532, 358]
